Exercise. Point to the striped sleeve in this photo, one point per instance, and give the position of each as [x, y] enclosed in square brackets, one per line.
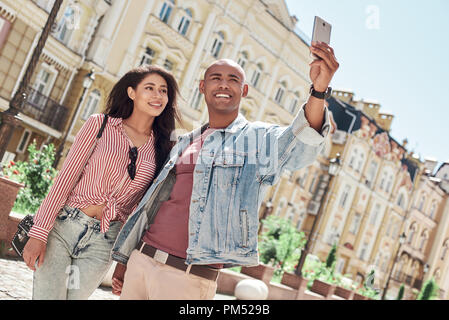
[66, 178]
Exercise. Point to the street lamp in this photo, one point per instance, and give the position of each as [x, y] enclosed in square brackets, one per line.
[87, 83]
[402, 238]
[334, 168]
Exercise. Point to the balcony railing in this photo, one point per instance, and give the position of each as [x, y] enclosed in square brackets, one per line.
[45, 110]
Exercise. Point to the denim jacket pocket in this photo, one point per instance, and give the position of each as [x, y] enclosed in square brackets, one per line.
[227, 168]
[244, 225]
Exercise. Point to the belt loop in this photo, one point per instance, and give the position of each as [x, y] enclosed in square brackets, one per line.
[188, 268]
[141, 247]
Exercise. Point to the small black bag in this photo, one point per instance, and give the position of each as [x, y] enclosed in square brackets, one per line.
[21, 237]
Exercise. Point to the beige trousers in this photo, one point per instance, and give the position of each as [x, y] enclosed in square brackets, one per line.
[148, 279]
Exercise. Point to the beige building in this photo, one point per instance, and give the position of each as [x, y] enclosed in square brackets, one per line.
[367, 202]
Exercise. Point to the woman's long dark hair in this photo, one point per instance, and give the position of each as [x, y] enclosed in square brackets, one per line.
[119, 105]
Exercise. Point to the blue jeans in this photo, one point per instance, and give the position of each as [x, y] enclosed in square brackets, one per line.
[76, 259]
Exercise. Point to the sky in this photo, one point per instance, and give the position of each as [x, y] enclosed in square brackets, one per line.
[394, 52]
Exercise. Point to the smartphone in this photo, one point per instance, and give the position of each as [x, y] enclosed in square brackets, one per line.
[321, 32]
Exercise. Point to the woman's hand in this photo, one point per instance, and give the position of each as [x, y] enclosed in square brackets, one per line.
[34, 249]
[117, 279]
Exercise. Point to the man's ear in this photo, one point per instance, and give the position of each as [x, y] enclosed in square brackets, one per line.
[245, 90]
[131, 93]
[201, 86]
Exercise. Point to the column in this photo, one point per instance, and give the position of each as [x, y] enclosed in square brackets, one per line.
[137, 35]
[195, 60]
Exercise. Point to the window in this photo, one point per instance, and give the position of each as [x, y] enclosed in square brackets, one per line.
[185, 22]
[385, 263]
[344, 196]
[312, 184]
[42, 85]
[389, 184]
[412, 231]
[243, 59]
[333, 236]
[421, 202]
[355, 223]
[91, 105]
[280, 93]
[69, 22]
[24, 141]
[363, 251]
[45, 4]
[256, 75]
[197, 98]
[371, 172]
[424, 237]
[383, 180]
[168, 65]
[401, 200]
[217, 44]
[147, 57]
[445, 248]
[433, 210]
[294, 104]
[281, 206]
[375, 214]
[166, 10]
[360, 162]
[353, 157]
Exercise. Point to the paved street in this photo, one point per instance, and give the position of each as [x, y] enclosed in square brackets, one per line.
[16, 282]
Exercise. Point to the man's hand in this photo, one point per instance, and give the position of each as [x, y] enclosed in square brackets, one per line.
[322, 70]
[34, 249]
[117, 279]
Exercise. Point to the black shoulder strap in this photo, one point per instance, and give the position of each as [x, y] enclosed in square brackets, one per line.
[100, 132]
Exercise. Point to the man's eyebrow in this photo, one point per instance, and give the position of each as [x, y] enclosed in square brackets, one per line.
[153, 84]
[219, 75]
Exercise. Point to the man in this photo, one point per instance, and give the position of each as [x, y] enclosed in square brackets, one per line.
[201, 212]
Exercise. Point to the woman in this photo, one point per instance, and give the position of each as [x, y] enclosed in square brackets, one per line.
[94, 193]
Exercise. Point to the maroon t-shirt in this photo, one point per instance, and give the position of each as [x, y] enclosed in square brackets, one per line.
[170, 229]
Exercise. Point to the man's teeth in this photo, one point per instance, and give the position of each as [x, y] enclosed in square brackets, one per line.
[223, 96]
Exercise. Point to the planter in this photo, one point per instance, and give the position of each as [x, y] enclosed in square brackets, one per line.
[323, 288]
[294, 281]
[8, 190]
[343, 293]
[261, 272]
[358, 296]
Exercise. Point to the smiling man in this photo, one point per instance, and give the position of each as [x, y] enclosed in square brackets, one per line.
[201, 212]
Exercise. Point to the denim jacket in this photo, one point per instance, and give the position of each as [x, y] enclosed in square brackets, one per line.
[235, 167]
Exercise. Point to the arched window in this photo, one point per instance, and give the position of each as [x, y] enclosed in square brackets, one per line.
[68, 23]
[217, 44]
[344, 196]
[421, 202]
[411, 232]
[360, 162]
[256, 75]
[389, 183]
[424, 238]
[166, 10]
[375, 214]
[353, 157]
[401, 201]
[294, 103]
[445, 249]
[280, 93]
[433, 210]
[185, 22]
[355, 223]
[148, 56]
[243, 59]
[92, 104]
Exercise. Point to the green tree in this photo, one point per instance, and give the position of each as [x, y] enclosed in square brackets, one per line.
[280, 244]
[331, 257]
[37, 174]
[401, 292]
[429, 290]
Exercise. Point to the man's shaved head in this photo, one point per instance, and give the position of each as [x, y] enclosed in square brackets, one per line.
[228, 62]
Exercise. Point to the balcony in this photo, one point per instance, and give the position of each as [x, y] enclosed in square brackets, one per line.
[45, 110]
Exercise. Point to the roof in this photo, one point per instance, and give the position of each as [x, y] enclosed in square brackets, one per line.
[346, 117]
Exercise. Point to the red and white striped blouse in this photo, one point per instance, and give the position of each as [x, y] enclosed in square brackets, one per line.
[103, 173]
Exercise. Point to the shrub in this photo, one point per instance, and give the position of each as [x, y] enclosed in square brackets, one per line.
[37, 174]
